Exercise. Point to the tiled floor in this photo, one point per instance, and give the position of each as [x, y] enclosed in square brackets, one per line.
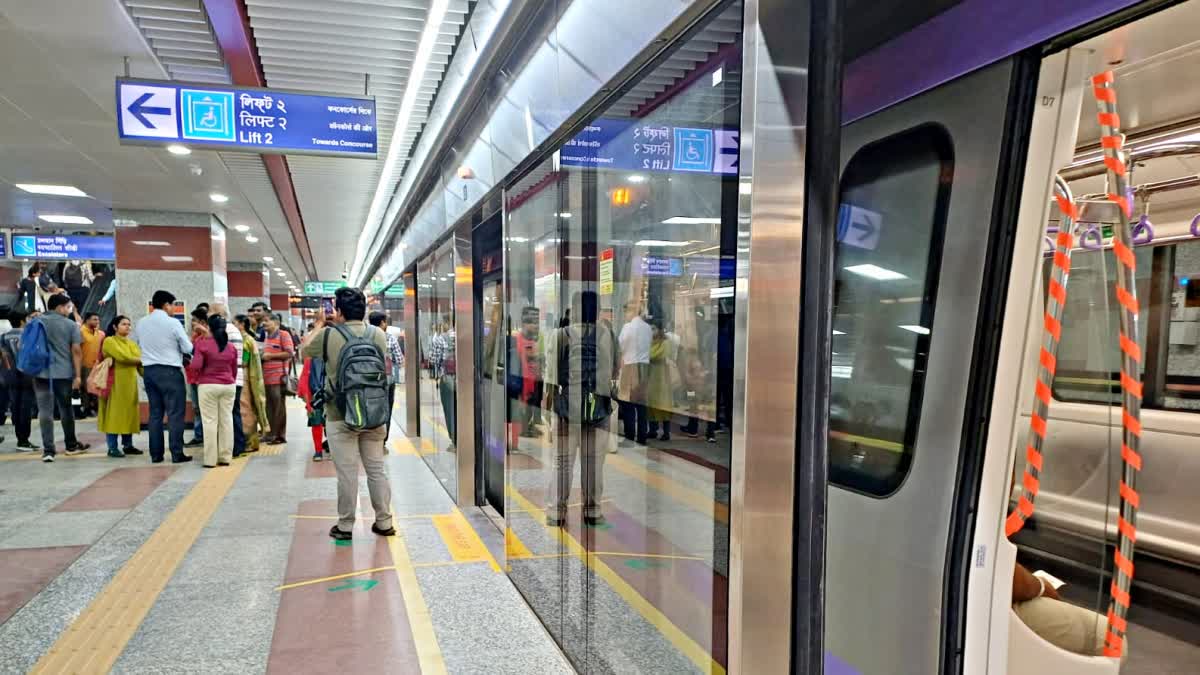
[68, 529]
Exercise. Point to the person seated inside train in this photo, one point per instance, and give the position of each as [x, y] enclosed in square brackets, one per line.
[1062, 624]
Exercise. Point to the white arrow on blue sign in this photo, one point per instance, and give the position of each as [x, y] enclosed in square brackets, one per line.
[859, 227]
[148, 111]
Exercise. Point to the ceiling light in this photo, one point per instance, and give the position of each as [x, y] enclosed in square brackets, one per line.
[124, 222]
[661, 242]
[717, 76]
[267, 258]
[919, 330]
[412, 89]
[66, 220]
[875, 272]
[278, 269]
[252, 239]
[636, 178]
[218, 197]
[242, 228]
[281, 275]
[140, 242]
[60, 190]
[683, 220]
[177, 149]
[745, 188]
[839, 332]
[177, 258]
[564, 214]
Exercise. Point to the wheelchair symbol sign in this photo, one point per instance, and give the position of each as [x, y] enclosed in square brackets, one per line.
[693, 149]
[207, 115]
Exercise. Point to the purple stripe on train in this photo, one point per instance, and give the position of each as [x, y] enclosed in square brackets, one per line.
[965, 37]
[836, 666]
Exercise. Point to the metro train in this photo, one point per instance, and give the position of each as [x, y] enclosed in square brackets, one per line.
[937, 327]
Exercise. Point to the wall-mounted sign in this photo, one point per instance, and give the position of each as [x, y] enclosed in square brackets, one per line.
[3, 245]
[178, 311]
[63, 247]
[645, 146]
[254, 120]
[661, 266]
[393, 291]
[859, 227]
[605, 278]
[322, 288]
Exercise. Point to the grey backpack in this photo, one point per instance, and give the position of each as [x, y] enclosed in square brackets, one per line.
[360, 387]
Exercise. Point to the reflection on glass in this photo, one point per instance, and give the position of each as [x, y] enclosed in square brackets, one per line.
[619, 275]
[439, 365]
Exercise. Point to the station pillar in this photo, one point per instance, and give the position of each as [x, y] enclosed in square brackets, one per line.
[248, 283]
[183, 253]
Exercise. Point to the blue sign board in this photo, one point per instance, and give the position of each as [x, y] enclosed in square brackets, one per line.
[634, 145]
[63, 247]
[661, 266]
[859, 227]
[3, 246]
[254, 120]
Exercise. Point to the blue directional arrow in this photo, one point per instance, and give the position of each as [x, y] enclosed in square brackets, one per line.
[139, 109]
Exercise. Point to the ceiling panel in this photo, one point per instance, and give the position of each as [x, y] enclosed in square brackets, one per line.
[331, 47]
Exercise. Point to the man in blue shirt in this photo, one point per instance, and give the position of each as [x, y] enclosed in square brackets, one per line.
[53, 386]
[164, 343]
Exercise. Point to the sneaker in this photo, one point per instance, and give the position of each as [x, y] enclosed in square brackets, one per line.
[595, 521]
[116, 453]
[194, 443]
[341, 535]
[665, 437]
[317, 456]
[25, 446]
[711, 439]
[48, 457]
[132, 451]
[76, 449]
[390, 532]
[183, 459]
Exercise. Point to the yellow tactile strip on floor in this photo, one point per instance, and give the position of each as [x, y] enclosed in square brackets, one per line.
[96, 639]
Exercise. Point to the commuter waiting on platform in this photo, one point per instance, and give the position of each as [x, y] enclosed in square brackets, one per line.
[234, 331]
[255, 424]
[119, 414]
[214, 368]
[164, 343]
[199, 330]
[92, 337]
[635, 372]
[20, 385]
[53, 385]
[362, 441]
[380, 321]
[580, 378]
[277, 353]
[29, 295]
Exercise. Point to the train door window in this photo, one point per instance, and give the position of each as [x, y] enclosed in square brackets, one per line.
[894, 197]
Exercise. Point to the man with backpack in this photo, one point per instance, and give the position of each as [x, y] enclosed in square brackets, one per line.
[580, 381]
[51, 355]
[357, 413]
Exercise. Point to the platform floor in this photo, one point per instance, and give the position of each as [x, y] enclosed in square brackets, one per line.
[117, 564]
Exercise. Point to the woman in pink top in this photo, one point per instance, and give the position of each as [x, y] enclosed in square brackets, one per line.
[214, 369]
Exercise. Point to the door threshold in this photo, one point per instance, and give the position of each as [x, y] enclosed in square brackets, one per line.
[493, 515]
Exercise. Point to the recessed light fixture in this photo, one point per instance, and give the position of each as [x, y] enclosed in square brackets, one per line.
[66, 220]
[919, 330]
[177, 258]
[124, 222]
[59, 190]
[661, 242]
[564, 214]
[875, 272]
[177, 149]
[685, 220]
[636, 178]
[142, 242]
[267, 258]
[717, 76]
[280, 274]
[242, 228]
[839, 332]
[218, 197]
[252, 239]
[278, 269]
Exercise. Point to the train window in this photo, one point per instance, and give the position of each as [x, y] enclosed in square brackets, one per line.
[894, 196]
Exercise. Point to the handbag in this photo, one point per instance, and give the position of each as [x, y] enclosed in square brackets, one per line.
[100, 380]
[291, 384]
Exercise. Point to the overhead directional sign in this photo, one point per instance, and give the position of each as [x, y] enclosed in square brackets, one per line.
[647, 146]
[249, 119]
[63, 247]
[859, 227]
[322, 288]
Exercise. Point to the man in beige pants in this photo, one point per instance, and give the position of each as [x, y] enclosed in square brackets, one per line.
[348, 446]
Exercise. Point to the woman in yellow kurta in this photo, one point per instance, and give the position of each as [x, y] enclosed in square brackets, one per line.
[254, 396]
[119, 414]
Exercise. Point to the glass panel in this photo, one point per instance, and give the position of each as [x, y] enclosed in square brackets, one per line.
[443, 366]
[893, 200]
[620, 275]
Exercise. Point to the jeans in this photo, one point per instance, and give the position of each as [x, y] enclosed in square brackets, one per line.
[571, 439]
[126, 442]
[636, 424]
[277, 411]
[350, 447]
[49, 392]
[166, 391]
[20, 398]
[5, 399]
[216, 405]
[197, 418]
[239, 434]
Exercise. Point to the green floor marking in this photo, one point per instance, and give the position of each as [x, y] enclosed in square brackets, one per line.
[342, 542]
[640, 564]
[361, 584]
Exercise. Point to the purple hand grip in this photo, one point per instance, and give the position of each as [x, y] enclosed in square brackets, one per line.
[1143, 231]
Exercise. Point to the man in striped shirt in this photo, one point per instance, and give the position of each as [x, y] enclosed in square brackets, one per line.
[278, 350]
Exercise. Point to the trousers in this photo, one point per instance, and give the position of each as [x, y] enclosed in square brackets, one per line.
[21, 399]
[277, 411]
[349, 447]
[573, 438]
[49, 393]
[166, 392]
[239, 433]
[1066, 626]
[216, 406]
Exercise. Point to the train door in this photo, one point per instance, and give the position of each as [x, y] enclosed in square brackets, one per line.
[926, 197]
[490, 369]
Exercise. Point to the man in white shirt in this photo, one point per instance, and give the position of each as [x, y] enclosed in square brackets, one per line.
[237, 341]
[164, 343]
[635, 370]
